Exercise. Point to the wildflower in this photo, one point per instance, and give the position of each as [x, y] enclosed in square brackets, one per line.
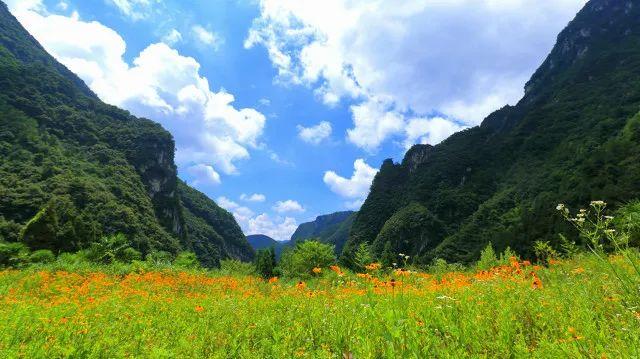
[373, 266]
[560, 207]
[316, 270]
[578, 270]
[574, 333]
[402, 272]
[301, 285]
[608, 217]
[609, 231]
[392, 282]
[526, 263]
[337, 270]
[537, 283]
[273, 279]
[598, 203]
[199, 308]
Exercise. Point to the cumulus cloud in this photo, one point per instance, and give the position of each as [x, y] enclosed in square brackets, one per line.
[134, 9]
[203, 174]
[172, 37]
[279, 228]
[206, 37]
[356, 188]
[288, 206]
[160, 84]
[428, 131]
[396, 60]
[256, 197]
[315, 134]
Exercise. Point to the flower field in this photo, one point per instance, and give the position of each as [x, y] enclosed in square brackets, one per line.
[573, 308]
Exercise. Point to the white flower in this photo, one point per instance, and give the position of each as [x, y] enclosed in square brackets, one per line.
[598, 203]
[560, 207]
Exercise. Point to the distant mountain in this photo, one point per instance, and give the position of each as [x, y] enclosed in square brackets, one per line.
[74, 169]
[260, 241]
[572, 138]
[331, 228]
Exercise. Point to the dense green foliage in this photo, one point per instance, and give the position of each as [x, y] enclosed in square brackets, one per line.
[331, 229]
[74, 170]
[574, 137]
[265, 262]
[212, 232]
[300, 260]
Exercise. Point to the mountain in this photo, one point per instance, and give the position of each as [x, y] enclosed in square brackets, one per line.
[331, 228]
[572, 138]
[260, 241]
[73, 169]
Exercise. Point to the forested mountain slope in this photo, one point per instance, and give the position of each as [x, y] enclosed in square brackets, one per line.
[573, 137]
[330, 228]
[73, 169]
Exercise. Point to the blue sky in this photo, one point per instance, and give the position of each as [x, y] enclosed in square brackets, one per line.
[282, 110]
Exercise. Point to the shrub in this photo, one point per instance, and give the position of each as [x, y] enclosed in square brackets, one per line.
[236, 267]
[159, 258]
[300, 261]
[362, 257]
[128, 255]
[440, 266]
[488, 258]
[114, 248]
[42, 256]
[186, 260]
[265, 262]
[544, 252]
[13, 254]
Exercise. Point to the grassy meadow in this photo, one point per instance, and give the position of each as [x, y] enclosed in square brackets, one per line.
[581, 307]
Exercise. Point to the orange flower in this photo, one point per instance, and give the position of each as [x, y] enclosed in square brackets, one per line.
[578, 270]
[301, 285]
[273, 279]
[199, 308]
[537, 283]
[337, 270]
[402, 272]
[316, 270]
[373, 266]
[526, 263]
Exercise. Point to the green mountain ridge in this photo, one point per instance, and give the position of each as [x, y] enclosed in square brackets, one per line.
[330, 228]
[73, 169]
[572, 138]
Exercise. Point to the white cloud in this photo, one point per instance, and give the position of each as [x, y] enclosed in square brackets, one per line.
[203, 174]
[374, 122]
[288, 206]
[428, 131]
[277, 228]
[134, 9]
[206, 37]
[315, 134]
[172, 37]
[160, 84]
[256, 197]
[400, 60]
[355, 188]
[63, 5]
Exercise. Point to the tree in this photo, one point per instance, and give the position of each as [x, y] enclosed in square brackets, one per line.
[362, 256]
[301, 260]
[265, 262]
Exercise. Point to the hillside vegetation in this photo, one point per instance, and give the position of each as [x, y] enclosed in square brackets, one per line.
[573, 137]
[74, 170]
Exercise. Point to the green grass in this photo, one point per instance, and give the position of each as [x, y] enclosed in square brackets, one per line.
[581, 310]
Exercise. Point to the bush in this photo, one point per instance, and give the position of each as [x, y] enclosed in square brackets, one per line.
[300, 261]
[362, 257]
[265, 262]
[112, 249]
[440, 266]
[186, 260]
[159, 258]
[236, 267]
[488, 258]
[13, 254]
[42, 256]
